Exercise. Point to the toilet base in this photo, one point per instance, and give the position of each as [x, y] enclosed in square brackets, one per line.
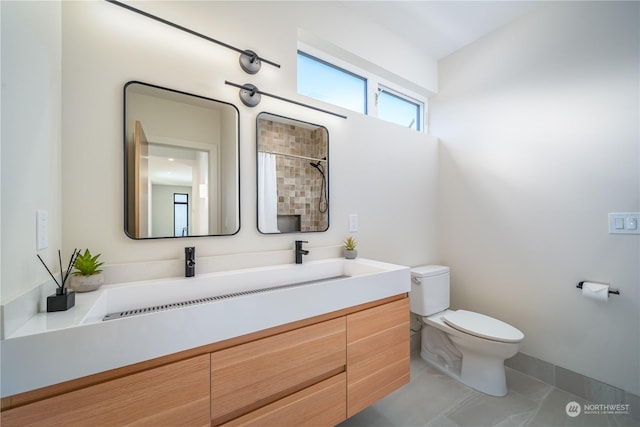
[438, 350]
[482, 371]
[452, 370]
[487, 377]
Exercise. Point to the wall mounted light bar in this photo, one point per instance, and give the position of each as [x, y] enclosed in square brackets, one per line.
[250, 62]
[250, 96]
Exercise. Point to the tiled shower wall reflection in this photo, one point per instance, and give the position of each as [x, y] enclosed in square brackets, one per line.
[299, 184]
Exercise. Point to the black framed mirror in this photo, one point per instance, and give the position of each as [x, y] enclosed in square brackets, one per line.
[182, 169]
[292, 175]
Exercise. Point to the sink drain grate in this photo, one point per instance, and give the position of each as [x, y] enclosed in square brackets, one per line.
[206, 300]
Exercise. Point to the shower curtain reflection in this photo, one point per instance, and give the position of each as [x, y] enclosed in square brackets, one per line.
[267, 193]
[302, 168]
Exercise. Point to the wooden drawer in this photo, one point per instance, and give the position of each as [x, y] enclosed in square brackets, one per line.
[255, 374]
[378, 359]
[323, 404]
[174, 394]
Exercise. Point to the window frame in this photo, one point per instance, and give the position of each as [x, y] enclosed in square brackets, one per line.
[403, 96]
[343, 70]
[374, 83]
[186, 207]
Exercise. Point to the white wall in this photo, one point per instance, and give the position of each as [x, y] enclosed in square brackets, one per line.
[384, 173]
[174, 120]
[539, 139]
[31, 164]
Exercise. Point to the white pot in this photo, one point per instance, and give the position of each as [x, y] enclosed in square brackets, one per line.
[350, 254]
[86, 283]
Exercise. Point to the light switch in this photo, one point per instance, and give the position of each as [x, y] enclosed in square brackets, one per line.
[353, 223]
[42, 229]
[624, 223]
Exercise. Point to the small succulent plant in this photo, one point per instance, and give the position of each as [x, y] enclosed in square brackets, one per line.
[350, 243]
[87, 264]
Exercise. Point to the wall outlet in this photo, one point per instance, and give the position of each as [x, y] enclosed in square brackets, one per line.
[624, 223]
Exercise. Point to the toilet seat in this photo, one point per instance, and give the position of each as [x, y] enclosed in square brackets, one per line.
[482, 326]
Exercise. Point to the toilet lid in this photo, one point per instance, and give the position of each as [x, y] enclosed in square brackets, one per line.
[482, 326]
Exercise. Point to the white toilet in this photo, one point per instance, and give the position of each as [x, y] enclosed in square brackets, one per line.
[471, 347]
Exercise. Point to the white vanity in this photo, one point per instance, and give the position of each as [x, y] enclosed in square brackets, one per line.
[313, 343]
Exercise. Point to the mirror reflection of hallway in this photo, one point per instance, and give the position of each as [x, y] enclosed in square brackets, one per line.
[178, 143]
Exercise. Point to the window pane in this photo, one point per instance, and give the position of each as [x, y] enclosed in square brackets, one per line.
[320, 80]
[395, 109]
[180, 214]
[181, 226]
[179, 198]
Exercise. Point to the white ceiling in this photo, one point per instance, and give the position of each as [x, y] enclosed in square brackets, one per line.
[441, 27]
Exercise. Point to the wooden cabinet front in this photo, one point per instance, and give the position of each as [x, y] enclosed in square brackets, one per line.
[252, 375]
[174, 394]
[377, 353]
[322, 404]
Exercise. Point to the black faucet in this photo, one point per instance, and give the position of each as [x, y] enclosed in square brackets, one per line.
[300, 251]
[190, 261]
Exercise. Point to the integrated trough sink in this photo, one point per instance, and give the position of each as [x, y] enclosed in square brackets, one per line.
[147, 297]
[189, 303]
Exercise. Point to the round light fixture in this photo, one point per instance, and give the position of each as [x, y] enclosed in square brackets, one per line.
[249, 95]
[250, 62]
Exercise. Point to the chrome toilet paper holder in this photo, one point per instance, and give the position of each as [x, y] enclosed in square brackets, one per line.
[614, 291]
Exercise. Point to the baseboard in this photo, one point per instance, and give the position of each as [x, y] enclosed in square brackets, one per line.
[580, 385]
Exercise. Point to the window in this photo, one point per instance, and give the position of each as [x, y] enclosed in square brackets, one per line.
[347, 85]
[326, 82]
[180, 214]
[396, 108]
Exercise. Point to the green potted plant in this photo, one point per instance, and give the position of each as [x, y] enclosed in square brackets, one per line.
[350, 251]
[88, 275]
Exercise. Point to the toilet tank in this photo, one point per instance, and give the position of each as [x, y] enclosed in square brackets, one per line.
[429, 289]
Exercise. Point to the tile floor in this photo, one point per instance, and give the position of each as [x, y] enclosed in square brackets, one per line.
[433, 399]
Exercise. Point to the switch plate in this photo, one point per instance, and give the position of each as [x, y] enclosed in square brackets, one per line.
[624, 223]
[42, 229]
[353, 223]
[619, 223]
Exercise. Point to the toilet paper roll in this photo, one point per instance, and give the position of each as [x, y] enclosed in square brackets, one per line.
[595, 291]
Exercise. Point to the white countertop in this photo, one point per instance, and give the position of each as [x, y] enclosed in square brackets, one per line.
[55, 347]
